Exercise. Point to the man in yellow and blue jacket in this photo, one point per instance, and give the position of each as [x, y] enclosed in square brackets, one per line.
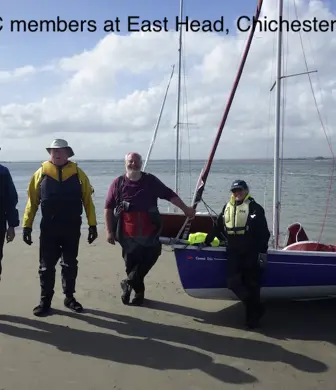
[61, 188]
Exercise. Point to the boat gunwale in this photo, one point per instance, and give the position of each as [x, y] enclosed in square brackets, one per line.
[270, 251]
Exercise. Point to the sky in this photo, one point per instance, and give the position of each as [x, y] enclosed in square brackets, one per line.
[102, 91]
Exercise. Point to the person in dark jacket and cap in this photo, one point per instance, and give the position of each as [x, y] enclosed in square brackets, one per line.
[243, 225]
[62, 188]
[9, 215]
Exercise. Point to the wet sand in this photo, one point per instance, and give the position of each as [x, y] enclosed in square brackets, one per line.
[173, 342]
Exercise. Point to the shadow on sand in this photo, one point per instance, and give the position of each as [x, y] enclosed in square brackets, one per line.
[298, 320]
[145, 352]
[151, 349]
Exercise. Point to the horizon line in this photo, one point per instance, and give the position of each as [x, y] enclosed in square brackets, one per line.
[172, 159]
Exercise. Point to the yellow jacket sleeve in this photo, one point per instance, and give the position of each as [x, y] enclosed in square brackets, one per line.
[87, 191]
[33, 199]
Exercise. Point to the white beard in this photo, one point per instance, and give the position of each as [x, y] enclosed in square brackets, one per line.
[133, 174]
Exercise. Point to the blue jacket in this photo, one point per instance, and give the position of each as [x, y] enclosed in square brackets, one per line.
[8, 199]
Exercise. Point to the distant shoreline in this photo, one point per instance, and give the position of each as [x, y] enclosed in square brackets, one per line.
[318, 158]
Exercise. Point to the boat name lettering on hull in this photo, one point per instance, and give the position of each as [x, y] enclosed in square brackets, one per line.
[208, 258]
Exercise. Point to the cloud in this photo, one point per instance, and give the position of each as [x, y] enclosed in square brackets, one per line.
[23, 72]
[111, 96]
[17, 73]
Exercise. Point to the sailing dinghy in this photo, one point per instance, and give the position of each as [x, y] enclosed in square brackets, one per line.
[300, 269]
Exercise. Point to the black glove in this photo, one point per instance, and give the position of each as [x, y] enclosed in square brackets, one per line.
[93, 234]
[27, 235]
[201, 245]
[262, 258]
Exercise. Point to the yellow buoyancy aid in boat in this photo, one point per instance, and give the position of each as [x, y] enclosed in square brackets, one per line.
[198, 238]
[235, 216]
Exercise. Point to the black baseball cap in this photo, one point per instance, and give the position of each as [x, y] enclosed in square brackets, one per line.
[238, 185]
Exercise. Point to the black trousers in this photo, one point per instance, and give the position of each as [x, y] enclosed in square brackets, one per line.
[56, 244]
[245, 277]
[2, 242]
[138, 263]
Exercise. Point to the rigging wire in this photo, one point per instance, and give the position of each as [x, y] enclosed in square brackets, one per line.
[269, 119]
[182, 120]
[236, 65]
[185, 115]
[284, 104]
[324, 130]
[187, 121]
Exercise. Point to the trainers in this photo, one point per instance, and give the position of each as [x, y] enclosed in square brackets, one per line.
[253, 316]
[72, 304]
[138, 299]
[126, 292]
[43, 309]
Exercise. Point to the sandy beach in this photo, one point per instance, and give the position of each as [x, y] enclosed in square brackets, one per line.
[173, 341]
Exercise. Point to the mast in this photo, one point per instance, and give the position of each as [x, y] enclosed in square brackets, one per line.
[205, 172]
[178, 104]
[276, 190]
[158, 121]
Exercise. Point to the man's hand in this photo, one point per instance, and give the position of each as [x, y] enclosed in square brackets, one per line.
[110, 238]
[189, 212]
[27, 235]
[262, 260]
[93, 234]
[10, 234]
[201, 245]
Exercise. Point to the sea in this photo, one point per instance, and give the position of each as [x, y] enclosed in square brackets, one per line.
[305, 186]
